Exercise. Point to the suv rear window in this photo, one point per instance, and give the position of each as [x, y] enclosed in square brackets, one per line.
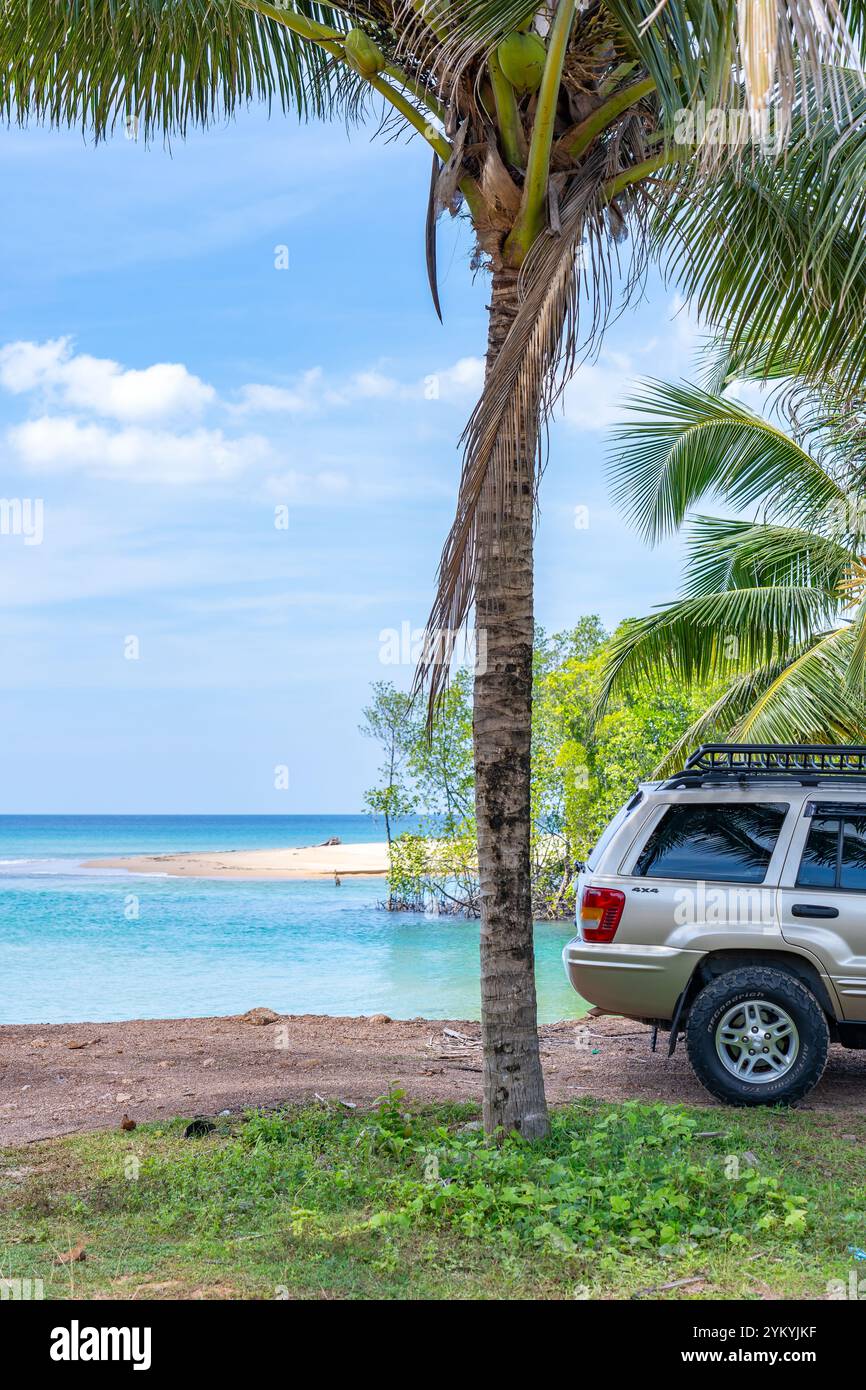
[835, 852]
[709, 841]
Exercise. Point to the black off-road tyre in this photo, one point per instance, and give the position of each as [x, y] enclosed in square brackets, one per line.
[775, 987]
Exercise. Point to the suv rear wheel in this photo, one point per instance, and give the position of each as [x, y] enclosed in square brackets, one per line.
[757, 1036]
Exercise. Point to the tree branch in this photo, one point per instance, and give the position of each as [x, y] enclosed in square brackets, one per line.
[418, 90]
[636, 173]
[412, 115]
[579, 138]
[329, 39]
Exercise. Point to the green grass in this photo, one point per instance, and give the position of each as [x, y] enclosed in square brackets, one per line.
[410, 1203]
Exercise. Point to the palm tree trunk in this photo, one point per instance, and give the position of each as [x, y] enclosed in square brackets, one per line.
[513, 1080]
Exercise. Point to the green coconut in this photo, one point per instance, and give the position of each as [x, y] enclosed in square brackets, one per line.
[522, 58]
[362, 53]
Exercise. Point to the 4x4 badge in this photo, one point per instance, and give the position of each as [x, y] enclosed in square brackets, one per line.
[644, 890]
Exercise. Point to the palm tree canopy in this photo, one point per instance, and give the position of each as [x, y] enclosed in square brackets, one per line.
[185, 60]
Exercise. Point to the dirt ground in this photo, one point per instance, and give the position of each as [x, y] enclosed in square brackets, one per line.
[65, 1078]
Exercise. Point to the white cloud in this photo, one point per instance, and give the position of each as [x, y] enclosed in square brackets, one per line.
[309, 393]
[372, 385]
[166, 390]
[62, 444]
[303, 396]
[756, 395]
[464, 379]
[593, 399]
[93, 416]
[689, 334]
[24, 366]
[357, 477]
[296, 486]
[312, 392]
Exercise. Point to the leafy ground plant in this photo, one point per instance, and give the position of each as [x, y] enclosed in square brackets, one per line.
[406, 1203]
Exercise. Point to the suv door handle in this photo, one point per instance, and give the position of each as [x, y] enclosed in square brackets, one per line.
[813, 910]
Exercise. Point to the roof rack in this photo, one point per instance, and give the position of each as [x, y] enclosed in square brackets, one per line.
[747, 762]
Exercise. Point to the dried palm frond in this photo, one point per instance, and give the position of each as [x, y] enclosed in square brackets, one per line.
[758, 30]
[522, 385]
[430, 236]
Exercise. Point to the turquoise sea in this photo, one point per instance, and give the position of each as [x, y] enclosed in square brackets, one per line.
[98, 945]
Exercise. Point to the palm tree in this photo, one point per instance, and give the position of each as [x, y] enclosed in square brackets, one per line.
[774, 601]
[550, 123]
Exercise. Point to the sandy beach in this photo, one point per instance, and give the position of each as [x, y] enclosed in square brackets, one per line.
[313, 861]
[69, 1077]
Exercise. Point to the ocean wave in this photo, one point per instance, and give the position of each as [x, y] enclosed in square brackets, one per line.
[51, 868]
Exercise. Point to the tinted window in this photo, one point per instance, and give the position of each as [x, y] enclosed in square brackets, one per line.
[828, 864]
[854, 852]
[703, 841]
[818, 865]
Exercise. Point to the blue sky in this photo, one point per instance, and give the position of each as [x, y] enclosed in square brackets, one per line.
[164, 387]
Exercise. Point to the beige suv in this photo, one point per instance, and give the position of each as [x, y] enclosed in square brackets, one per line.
[729, 903]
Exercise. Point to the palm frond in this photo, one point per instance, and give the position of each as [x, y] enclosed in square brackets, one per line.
[724, 554]
[712, 636]
[802, 700]
[725, 364]
[715, 723]
[783, 43]
[766, 53]
[855, 675]
[685, 442]
[776, 251]
[809, 701]
[465, 29]
[685, 45]
[162, 65]
[822, 415]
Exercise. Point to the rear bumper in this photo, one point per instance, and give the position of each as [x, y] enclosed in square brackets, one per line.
[638, 981]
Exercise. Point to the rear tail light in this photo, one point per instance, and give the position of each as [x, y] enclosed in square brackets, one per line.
[600, 911]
